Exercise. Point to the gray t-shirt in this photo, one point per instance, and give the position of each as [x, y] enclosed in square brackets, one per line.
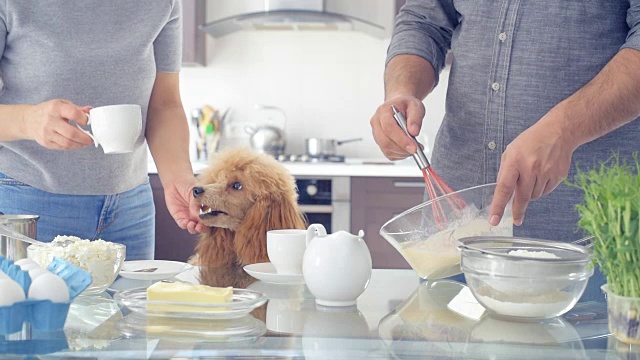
[90, 52]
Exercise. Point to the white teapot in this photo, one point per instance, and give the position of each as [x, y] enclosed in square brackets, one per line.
[336, 267]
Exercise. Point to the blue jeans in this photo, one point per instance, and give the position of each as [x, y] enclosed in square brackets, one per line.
[127, 218]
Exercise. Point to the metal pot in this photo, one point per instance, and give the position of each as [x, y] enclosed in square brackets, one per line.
[12, 248]
[324, 147]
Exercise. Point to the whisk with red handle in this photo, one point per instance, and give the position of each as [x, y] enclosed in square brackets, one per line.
[436, 187]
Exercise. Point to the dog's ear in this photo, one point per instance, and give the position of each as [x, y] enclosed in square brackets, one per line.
[283, 213]
[264, 215]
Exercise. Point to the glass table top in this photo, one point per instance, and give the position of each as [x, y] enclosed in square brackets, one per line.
[397, 317]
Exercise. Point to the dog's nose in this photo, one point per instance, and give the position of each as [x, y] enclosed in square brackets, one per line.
[197, 191]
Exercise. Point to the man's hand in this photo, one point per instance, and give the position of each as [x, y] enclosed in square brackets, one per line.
[532, 166]
[389, 136]
[48, 124]
[182, 206]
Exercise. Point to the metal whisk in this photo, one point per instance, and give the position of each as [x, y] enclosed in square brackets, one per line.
[436, 187]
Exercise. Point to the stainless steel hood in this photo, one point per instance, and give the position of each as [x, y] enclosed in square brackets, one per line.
[299, 15]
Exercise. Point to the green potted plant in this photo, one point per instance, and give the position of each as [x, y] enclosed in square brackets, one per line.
[611, 213]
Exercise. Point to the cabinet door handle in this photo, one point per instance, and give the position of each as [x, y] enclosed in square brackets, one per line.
[408, 184]
[318, 209]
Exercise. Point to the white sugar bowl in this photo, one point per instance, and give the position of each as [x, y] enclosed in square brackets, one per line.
[336, 267]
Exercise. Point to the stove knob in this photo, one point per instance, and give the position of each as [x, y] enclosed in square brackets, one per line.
[312, 190]
[282, 157]
[304, 158]
[293, 157]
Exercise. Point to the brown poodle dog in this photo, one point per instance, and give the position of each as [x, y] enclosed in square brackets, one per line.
[242, 195]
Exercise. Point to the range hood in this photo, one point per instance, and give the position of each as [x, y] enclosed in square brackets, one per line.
[299, 15]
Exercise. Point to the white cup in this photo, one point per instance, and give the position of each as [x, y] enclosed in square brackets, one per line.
[115, 127]
[285, 249]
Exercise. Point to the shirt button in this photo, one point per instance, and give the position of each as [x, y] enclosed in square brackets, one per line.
[495, 86]
[491, 145]
[502, 36]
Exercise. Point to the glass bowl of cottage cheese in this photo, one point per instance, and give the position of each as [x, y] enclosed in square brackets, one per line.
[525, 279]
[426, 235]
[102, 259]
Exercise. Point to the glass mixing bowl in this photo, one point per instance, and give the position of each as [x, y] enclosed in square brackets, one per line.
[428, 241]
[102, 259]
[525, 279]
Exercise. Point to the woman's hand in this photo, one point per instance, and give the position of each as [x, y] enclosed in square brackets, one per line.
[48, 124]
[389, 136]
[182, 206]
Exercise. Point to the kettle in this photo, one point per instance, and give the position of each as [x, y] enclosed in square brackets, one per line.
[268, 139]
[336, 267]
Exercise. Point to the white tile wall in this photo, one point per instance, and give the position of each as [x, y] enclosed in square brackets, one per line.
[329, 84]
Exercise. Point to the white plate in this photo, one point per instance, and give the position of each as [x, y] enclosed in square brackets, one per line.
[267, 272]
[244, 302]
[166, 269]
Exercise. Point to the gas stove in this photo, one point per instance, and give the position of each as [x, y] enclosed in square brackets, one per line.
[310, 159]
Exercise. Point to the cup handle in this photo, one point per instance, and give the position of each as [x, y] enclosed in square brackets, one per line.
[95, 142]
[313, 229]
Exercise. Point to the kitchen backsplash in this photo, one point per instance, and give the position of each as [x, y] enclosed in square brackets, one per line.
[328, 83]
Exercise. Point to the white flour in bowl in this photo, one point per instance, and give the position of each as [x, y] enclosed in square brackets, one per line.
[543, 306]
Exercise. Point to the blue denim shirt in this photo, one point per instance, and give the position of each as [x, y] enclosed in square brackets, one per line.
[513, 61]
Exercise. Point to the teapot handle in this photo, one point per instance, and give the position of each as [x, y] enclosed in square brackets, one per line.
[313, 229]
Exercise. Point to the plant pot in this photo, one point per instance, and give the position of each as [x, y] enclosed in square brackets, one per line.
[624, 316]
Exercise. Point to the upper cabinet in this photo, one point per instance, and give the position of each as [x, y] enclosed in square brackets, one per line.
[194, 41]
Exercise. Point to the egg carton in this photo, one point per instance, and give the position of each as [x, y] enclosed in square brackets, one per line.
[43, 315]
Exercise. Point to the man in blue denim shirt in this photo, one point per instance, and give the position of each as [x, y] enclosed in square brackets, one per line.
[535, 88]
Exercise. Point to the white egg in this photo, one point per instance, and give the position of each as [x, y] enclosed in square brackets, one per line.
[34, 273]
[49, 287]
[10, 292]
[27, 267]
[25, 262]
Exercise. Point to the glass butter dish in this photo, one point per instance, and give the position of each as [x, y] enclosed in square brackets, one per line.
[244, 302]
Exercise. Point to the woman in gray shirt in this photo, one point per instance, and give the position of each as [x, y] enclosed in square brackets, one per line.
[58, 59]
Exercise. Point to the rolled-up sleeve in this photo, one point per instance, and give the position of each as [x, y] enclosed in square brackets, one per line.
[424, 28]
[633, 21]
[167, 46]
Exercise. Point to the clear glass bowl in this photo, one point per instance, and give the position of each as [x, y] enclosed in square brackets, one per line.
[104, 266]
[624, 316]
[428, 242]
[541, 280]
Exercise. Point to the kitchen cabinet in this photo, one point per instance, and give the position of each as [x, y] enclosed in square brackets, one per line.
[172, 242]
[194, 41]
[374, 201]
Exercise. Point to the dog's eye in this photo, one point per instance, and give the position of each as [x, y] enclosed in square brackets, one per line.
[236, 186]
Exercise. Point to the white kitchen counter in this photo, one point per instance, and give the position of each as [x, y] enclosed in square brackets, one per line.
[351, 167]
